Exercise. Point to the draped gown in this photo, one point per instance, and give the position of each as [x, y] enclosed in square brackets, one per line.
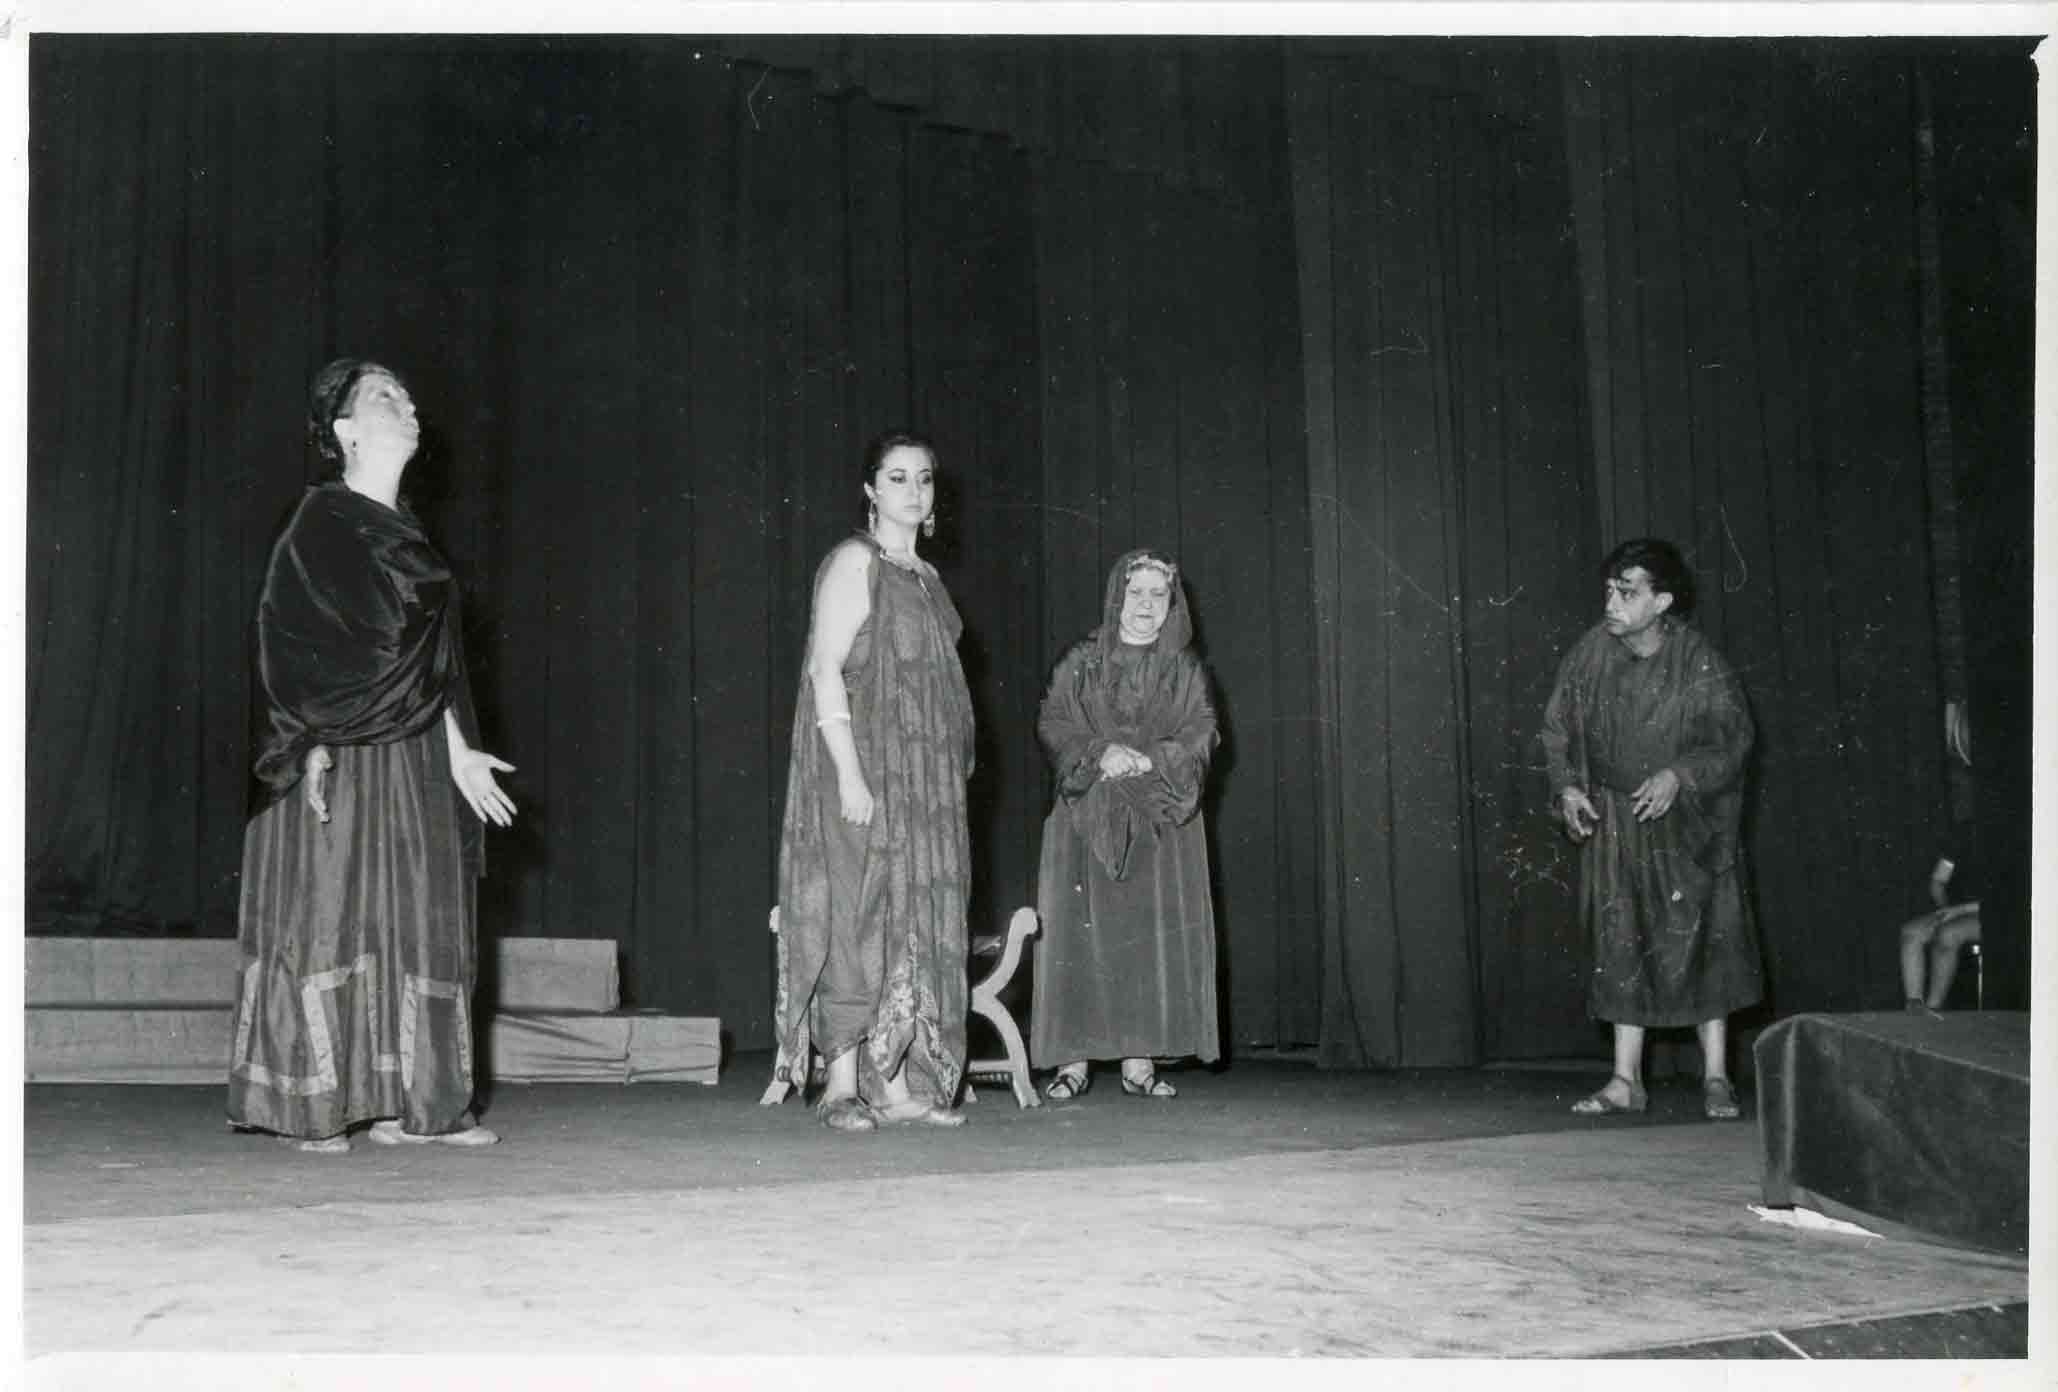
[872, 930]
[358, 952]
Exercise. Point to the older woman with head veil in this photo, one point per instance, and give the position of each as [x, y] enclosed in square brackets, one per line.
[1126, 969]
[875, 850]
[359, 952]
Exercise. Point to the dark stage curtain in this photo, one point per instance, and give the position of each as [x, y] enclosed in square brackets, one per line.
[652, 300]
[1981, 101]
[1452, 538]
[1750, 256]
[169, 330]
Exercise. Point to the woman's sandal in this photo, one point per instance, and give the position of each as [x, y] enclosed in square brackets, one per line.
[1149, 1085]
[338, 1144]
[1068, 1087]
[1718, 1100]
[1600, 1104]
[914, 1113]
[391, 1133]
[846, 1114]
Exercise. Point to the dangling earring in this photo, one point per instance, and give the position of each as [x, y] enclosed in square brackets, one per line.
[929, 525]
[871, 519]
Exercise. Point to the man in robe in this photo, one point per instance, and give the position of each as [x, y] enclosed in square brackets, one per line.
[1645, 739]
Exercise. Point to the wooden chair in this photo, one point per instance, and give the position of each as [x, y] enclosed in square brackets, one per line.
[1013, 1066]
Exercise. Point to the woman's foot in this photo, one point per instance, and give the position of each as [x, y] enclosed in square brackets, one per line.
[338, 1144]
[1070, 1084]
[1620, 1094]
[914, 1112]
[1718, 1100]
[845, 1114]
[390, 1132]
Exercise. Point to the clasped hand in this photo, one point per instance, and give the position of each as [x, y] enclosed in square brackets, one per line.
[1120, 761]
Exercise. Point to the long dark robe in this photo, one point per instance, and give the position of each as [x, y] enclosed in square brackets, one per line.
[1125, 964]
[1664, 901]
[358, 945]
[871, 946]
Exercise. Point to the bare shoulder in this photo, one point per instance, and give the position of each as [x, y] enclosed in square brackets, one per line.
[850, 559]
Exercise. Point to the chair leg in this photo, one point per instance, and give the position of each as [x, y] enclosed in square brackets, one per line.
[986, 1003]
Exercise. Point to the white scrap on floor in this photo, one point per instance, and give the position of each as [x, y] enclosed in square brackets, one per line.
[1798, 1217]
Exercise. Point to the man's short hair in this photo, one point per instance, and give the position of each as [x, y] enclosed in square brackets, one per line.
[1659, 559]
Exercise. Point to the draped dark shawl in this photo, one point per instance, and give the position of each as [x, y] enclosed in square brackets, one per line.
[1152, 697]
[359, 635]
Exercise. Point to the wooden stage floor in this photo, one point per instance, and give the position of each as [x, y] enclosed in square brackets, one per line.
[1271, 1211]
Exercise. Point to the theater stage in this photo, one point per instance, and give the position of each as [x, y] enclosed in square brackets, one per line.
[1272, 1210]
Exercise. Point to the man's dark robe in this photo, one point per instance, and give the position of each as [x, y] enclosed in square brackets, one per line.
[1664, 901]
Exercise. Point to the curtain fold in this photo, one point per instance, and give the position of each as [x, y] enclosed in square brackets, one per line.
[1447, 495]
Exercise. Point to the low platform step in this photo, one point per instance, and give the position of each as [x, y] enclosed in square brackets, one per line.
[557, 974]
[527, 973]
[621, 1046]
[127, 1044]
[190, 1044]
[130, 971]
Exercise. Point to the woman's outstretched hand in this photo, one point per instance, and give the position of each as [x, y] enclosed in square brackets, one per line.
[473, 771]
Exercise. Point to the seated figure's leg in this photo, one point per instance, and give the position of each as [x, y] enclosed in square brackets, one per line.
[1916, 934]
[1951, 938]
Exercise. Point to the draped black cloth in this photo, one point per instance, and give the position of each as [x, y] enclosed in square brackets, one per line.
[358, 937]
[359, 638]
[1126, 964]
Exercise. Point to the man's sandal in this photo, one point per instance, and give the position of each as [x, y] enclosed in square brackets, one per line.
[1149, 1085]
[1600, 1104]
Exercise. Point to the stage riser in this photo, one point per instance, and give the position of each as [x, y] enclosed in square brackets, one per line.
[190, 1044]
[1913, 1119]
[524, 974]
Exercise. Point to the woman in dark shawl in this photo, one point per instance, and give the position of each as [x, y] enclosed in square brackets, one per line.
[358, 873]
[1126, 968]
[875, 851]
